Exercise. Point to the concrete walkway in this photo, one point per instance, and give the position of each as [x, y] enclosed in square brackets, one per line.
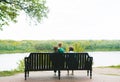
[99, 75]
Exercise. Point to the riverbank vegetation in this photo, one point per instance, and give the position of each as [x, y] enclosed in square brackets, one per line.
[115, 66]
[112, 66]
[8, 73]
[11, 46]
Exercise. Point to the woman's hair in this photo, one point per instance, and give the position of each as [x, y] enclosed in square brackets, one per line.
[71, 48]
[55, 48]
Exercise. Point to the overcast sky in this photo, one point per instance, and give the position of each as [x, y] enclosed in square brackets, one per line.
[71, 20]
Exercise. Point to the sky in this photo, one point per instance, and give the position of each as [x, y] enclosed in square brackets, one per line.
[70, 20]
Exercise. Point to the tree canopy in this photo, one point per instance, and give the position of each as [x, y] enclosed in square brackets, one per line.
[10, 9]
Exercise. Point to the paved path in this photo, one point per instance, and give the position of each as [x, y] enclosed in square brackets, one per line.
[99, 75]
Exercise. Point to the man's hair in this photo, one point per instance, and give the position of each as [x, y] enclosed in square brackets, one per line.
[59, 44]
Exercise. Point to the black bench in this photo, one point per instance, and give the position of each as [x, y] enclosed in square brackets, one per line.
[55, 61]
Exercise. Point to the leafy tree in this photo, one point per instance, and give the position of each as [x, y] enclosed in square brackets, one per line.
[10, 9]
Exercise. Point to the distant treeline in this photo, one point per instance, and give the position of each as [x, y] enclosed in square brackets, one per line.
[11, 46]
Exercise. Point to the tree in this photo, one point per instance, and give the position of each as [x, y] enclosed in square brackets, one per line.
[10, 9]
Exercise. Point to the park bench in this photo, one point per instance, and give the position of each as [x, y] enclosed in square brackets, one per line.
[57, 61]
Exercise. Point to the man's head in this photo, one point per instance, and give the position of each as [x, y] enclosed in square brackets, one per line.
[59, 44]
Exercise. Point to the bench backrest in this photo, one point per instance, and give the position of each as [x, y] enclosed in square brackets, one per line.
[43, 61]
[39, 61]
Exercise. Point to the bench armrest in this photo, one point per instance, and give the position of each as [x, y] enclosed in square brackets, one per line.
[89, 62]
[90, 59]
[26, 62]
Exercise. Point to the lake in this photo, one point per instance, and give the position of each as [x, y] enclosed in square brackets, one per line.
[10, 61]
[105, 58]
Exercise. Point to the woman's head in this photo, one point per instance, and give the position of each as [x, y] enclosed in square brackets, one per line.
[71, 48]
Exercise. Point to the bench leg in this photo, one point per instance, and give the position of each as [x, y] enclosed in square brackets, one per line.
[25, 75]
[90, 74]
[55, 70]
[68, 72]
[59, 74]
[87, 72]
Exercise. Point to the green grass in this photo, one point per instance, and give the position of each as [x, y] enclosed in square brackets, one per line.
[9, 73]
[112, 74]
[112, 66]
[11, 51]
[115, 66]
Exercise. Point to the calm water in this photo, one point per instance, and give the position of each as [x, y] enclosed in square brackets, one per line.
[105, 58]
[10, 61]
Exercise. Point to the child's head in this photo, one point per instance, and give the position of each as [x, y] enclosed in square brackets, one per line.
[71, 48]
[55, 48]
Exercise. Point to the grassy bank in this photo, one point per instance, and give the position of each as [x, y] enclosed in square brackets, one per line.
[9, 73]
[115, 66]
[112, 66]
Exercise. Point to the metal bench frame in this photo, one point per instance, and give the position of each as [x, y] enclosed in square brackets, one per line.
[42, 62]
